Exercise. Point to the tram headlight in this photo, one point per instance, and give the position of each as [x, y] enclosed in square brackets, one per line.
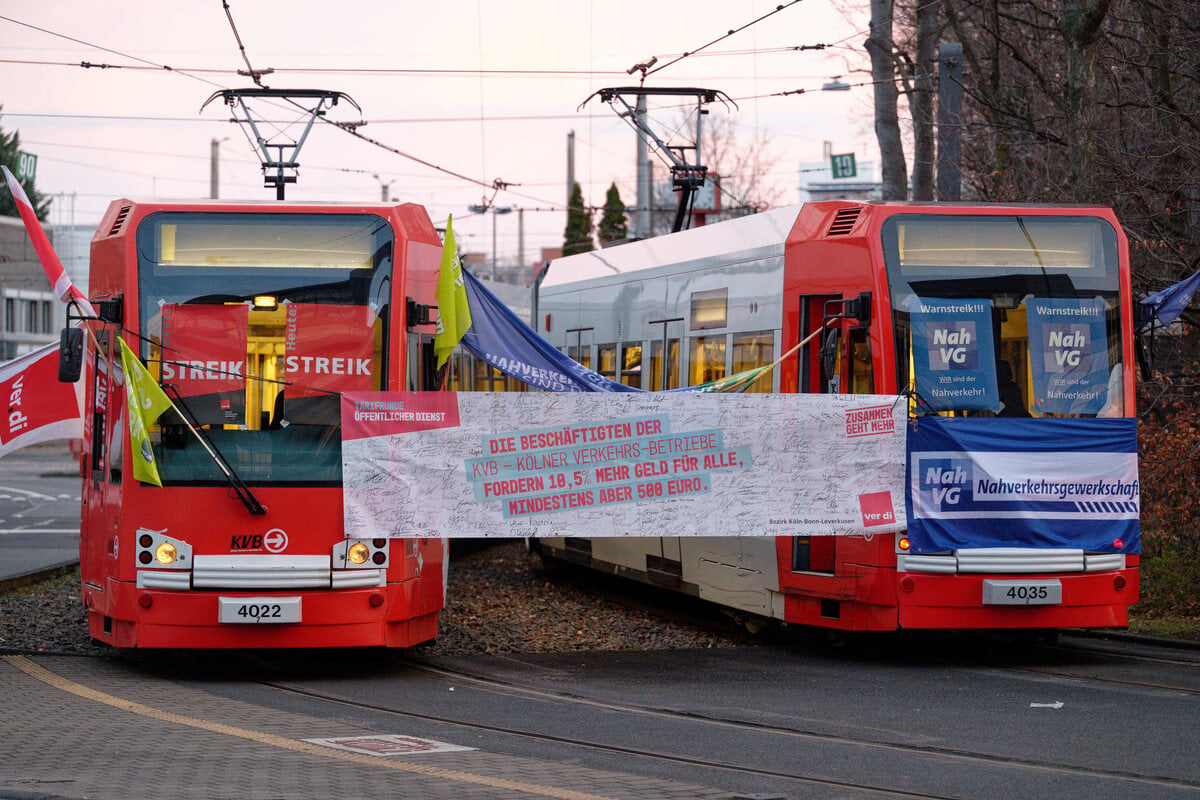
[358, 553]
[903, 544]
[165, 553]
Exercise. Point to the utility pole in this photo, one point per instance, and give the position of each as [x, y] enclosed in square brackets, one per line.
[384, 189]
[643, 173]
[214, 177]
[570, 167]
[521, 238]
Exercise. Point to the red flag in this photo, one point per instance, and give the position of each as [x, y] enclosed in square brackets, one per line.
[66, 291]
[37, 407]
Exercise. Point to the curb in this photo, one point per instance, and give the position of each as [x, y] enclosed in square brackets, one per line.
[11, 582]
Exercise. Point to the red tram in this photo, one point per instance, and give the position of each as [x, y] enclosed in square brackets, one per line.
[254, 317]
[698, 305]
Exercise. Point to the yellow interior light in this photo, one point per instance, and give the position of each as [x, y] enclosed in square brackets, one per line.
[265, 301]
[358, 553]
[166, 553]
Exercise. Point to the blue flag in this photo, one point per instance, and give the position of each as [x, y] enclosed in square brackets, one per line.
[503, 340]
[1168, 304]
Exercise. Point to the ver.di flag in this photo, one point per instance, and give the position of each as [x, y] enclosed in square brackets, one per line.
[40, 408]
[454, 312]
[146, 401]
[63, 287]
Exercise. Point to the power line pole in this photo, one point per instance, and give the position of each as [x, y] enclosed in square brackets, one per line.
[643, 173]
[214, 176]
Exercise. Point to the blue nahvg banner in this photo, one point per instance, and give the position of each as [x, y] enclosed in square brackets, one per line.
[504, 340]
[953, 353]
[998, 482]
[1068, 349]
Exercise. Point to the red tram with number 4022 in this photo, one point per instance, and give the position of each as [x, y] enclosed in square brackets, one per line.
[253, 317]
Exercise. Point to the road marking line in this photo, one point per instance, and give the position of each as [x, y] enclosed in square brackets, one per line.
[55, 680]
[38, 495]
[38, 530]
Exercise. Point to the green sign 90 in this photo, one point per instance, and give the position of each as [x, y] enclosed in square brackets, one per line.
[26, 166]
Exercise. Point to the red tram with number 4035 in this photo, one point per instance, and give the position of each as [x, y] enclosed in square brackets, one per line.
[696, 306]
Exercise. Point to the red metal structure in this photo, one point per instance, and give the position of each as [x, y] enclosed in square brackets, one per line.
[698, 305]
[254, 317]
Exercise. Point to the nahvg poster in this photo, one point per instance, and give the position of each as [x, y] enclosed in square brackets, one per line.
[1069, 353]
[997, 482]
[953, 353]
[204, 356]
[480, 464]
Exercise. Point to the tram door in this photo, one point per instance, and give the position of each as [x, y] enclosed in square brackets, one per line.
[816, 553]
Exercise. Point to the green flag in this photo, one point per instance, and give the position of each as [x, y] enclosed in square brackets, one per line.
[145, 401]
[734, 384]
[454, 314]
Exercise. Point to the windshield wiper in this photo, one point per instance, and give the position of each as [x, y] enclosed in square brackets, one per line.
[239, 486]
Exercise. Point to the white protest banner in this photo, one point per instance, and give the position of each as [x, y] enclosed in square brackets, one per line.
[483, 464]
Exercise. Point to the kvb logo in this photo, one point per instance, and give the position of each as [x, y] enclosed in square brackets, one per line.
[274, 541]
[1065, 347]
[945, 481]
[953, 346]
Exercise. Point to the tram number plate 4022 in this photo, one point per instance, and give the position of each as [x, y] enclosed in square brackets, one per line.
[259, 610]
[1022, 593]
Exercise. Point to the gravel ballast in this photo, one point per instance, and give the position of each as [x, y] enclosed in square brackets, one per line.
[501, 599]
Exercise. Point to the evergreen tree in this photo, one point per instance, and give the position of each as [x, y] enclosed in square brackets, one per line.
[10, 143]
[578, 236]
[613, 224]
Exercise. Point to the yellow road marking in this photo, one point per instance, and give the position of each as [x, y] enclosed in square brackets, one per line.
[57, 681]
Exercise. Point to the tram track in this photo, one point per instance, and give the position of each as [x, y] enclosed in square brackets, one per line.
[1129, 780]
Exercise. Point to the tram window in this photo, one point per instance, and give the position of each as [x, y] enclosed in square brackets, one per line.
[709, 309]
[814, 553]
[488, 378]
[631, 364]
[706, 359]
[606, 360]
[455, 379]
[582, 354]
[752, 350]
[659, 381]
[862, 377]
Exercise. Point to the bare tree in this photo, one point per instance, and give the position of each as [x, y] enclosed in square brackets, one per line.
[887, 122]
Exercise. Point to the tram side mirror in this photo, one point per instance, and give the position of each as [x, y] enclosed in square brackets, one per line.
[70, 355]
[859, 308]
[829, 349]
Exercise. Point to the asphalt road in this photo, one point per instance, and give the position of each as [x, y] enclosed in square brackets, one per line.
[39, 509]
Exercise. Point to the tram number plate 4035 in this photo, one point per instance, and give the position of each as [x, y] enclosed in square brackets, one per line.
[259, 610]
[1022, 593]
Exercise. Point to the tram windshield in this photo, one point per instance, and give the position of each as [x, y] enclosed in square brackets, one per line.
[254, 323]
[1006, 315]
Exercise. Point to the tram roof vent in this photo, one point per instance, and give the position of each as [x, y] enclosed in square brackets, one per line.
[120, 221]
[843, 221]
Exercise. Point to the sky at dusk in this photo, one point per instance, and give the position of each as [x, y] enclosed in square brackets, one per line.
[486, 90]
